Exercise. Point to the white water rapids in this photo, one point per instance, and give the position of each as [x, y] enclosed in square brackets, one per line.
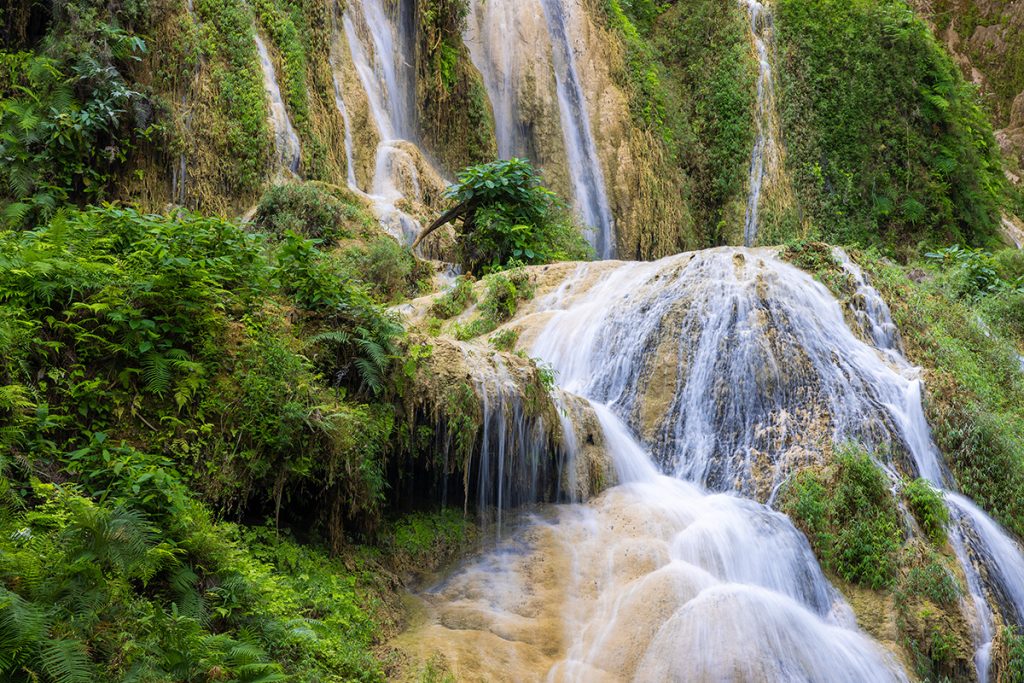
[660, 578]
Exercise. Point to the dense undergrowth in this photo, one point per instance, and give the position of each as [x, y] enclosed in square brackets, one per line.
[853, 523]
[886, 143]
[161, 372]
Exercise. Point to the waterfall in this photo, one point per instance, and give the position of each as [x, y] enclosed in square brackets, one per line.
[728, 369]
[380, 52]
[982, 547]
[764, 153]
[493, 38]
[514, 442]
[495, 35]
[591, 196]
[286, 142]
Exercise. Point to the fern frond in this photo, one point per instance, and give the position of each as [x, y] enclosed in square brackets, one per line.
[334, 337]
[370, 375]
[156, 373]
[66, 661]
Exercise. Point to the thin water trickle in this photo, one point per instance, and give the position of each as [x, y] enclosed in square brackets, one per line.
[286, 142]
[764, 152]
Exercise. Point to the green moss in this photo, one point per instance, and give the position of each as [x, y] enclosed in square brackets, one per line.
[425, 542]
[885, 141]
[850, 518]
[246, 138]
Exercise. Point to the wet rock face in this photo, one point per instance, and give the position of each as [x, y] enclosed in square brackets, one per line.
[495, 426]
[733, 368]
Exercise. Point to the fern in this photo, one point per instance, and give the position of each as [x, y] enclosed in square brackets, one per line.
[339, 337]
[66, 661]
[156, 372]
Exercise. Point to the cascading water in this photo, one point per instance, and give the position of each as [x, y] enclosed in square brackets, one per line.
[735, 369]
[765, 151]
[496, 37]
[656, 579]
[590, 193]
[286, 142]
[492, 35]
[992, 562]
[379, 51]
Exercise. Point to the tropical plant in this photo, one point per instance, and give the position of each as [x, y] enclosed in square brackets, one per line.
[506, 214]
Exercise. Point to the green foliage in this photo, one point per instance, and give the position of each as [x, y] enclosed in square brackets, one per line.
[68, 124]
[457, 299]
[504, 291]
[162, 330]
[975, 384]
[303, 209]
[504, 340]
[886, 141]
[928, 508]
[1013, 666]
[146, 361]
[690, 76]
[228, 45]
[979, 268]
[101, 591]
[390, 271]
[510, 215]
[850, 518]
[931, 627]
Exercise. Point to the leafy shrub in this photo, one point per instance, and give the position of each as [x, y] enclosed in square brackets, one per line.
[928, 508]
[849, 517]
[508, 215]
[505, 340]
[457, 299]
[504, 292]
[931, 580]
[501, 301]
[67, 125]
[303, 209]
[979, 268]
[390, 271]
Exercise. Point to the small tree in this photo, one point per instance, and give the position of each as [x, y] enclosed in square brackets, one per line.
[504, 213]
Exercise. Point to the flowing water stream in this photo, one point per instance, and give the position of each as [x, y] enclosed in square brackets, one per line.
[380, 48]
[763, 156]
[286, 142]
